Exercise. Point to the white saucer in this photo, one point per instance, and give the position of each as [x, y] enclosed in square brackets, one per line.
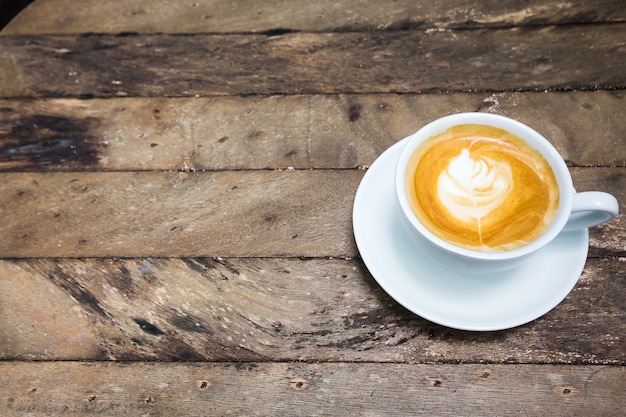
[466, 302]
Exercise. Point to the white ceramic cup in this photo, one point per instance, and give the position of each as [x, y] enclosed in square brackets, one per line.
[575, 210]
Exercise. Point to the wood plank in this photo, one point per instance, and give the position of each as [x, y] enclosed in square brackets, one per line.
[347, 389]
[319, 131]
[251, 213]
[227, 213]
[518, 59]
[55, 16]
[277, 309]
[40, 317]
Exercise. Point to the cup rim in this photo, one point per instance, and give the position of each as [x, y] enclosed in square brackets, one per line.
[526, 133]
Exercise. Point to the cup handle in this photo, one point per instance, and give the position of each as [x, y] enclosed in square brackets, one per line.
[591, 208]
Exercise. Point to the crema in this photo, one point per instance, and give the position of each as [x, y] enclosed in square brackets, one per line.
[481, 188]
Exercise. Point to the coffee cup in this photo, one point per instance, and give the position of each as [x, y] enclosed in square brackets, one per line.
[480, 193]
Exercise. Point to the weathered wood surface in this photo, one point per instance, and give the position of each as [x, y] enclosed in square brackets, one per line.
[276, 309]
[303, 132]
[198, 207]
[150, 16]
[521, 58]
[225, 213]
[237, 213]
[41, 389]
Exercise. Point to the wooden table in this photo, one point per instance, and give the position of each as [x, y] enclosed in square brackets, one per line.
[176, 191]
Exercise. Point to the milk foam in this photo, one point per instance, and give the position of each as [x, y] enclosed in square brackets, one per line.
[472, 188]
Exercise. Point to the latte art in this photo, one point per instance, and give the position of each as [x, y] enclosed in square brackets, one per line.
[471, 189]
[481, 188]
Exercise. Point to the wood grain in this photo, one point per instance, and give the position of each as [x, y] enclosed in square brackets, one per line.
[517, 59]
[250, 213]
[176, 195]
[73, 389]
[144, 16]
[225, 213]
[277, 309]
[309, 131]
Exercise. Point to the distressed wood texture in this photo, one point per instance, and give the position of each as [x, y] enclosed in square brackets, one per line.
[304, 132]
[309, 389]
[521, 58]
[177, 182]
[276, 309]
[224, 213]
[150, 16]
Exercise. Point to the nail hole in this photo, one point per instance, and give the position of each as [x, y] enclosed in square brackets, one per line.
[299, 383]
[435, 383]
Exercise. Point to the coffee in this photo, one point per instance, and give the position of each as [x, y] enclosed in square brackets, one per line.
[481, 188]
